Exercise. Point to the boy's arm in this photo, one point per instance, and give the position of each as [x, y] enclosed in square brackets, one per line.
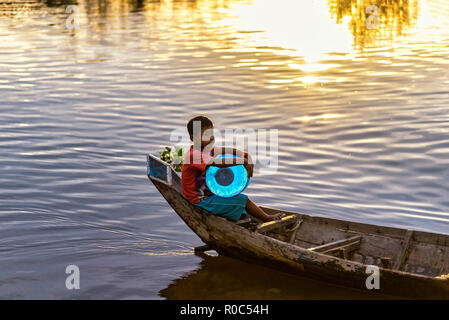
[240, 154]
[225, 150]
[245, 160]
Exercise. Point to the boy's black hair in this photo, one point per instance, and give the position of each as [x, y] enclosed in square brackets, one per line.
[205, 123]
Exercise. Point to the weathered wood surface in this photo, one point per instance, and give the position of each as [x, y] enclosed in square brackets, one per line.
[336, 244]
[405, 247]
[294, 231]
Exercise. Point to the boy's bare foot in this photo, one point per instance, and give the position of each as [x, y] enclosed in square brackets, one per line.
[277, 216]
[256, 211]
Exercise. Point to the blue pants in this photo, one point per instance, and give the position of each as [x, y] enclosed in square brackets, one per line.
[230, 208]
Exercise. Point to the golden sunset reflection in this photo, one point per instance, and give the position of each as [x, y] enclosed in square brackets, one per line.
[303, 28]
[311, 28]
[319, 117]
[308, 37]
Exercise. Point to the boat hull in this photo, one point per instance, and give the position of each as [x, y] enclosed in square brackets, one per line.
[235, 241]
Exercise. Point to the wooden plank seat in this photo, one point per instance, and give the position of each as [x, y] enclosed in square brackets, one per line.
[276, 224]
[341, 247]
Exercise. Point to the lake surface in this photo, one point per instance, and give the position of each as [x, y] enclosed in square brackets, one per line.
[362, 114]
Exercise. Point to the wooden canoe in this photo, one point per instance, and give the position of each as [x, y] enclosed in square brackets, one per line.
[412, 264]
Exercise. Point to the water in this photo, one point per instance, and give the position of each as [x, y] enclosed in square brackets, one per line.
[362, 116]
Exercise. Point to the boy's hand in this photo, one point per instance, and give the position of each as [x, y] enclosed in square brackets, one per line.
[249, 168]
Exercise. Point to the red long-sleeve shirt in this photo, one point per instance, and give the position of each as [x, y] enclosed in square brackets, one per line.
[193, 174]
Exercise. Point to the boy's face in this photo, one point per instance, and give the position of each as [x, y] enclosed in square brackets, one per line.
[207, 137]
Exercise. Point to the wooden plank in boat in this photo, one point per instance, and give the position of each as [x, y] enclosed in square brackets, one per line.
[294, 231]
[402, 254]
[344, 250]
[328, 247]
[271, 225]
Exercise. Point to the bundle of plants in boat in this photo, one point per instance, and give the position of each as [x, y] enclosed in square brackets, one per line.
[174, 156]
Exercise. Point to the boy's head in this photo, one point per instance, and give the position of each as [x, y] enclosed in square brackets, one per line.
[200, 129]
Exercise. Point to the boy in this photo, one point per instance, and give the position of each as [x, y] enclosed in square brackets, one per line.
[198, 159]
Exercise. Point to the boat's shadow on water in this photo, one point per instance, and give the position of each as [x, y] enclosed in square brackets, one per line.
[220, 277]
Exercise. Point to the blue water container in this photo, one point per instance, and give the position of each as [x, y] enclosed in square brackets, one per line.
[227, 182]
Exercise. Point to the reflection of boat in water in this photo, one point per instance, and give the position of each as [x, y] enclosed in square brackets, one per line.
[410, 263]
[220, 277]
